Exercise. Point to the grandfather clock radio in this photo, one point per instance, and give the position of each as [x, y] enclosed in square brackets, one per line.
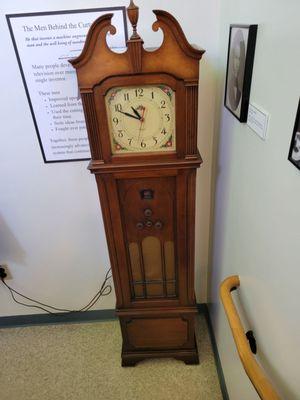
[141, 113]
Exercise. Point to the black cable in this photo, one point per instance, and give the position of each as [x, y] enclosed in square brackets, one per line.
[100, 293]
[105, 290]
[83, 309]
[29, 305]
[29, 298]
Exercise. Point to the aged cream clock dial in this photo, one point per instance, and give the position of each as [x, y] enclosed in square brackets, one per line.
[141, 119]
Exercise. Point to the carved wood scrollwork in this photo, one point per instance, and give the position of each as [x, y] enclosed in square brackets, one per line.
[175, 56]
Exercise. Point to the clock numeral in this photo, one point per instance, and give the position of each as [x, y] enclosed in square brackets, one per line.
[143, 144]
[129, 141]
[120, 134]
[118, 107]
[163, 104]
[168, 117]
[164, 131]
[152, 95]
[115, 120]
[155, 139]
[139, 92]
[126, 96]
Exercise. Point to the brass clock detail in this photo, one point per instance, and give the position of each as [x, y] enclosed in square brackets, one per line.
[141, 111]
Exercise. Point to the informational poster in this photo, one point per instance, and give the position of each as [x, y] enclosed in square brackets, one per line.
[44, 42]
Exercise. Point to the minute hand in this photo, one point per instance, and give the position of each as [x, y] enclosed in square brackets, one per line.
[129, 115]
[136, 113]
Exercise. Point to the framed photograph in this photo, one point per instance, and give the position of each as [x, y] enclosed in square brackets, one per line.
[294, 153]
[241, 48]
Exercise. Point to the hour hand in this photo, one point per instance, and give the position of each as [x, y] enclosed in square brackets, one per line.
[129, 115]
[136, 112]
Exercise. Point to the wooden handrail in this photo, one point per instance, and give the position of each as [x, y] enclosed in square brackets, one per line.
[253, 369]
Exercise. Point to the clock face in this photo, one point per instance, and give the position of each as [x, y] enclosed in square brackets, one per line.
[141, 119]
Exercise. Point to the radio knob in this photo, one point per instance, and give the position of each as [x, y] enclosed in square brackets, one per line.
[158, 224]
[148, 212]
[140, 225]
[149, 224]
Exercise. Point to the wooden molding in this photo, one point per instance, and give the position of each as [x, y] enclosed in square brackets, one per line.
[170, 26]
[144, 165]
[92, 125]
[174, 49]
[100, 26]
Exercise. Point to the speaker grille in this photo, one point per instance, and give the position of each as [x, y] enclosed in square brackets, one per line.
[153, 268]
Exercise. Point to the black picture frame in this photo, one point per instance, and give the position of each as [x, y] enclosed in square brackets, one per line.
[240, 59]
[43, 13]
[294, 152]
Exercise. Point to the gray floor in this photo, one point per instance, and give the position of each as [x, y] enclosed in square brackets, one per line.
[82, 361]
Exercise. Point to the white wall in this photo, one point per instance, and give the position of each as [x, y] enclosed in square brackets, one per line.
[51, 230]
[257, 209]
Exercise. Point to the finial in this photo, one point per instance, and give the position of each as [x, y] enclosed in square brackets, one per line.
[133, 15]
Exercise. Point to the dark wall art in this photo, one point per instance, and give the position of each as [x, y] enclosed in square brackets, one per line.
[241, 48]
[294, 153]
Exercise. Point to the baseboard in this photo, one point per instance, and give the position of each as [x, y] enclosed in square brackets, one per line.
[62, 318]
[203, 309]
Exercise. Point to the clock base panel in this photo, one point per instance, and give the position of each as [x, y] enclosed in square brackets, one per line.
[157, 333]
[188, 356]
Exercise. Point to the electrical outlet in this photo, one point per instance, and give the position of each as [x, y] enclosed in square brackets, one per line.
[5, 266]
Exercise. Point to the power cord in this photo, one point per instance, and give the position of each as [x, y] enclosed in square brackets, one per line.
[104, 290]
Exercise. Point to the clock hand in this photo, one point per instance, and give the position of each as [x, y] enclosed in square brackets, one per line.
[136, 113]
[142, 121]
[129, 115]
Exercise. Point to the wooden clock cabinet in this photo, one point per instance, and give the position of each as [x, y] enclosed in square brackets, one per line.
[145, 168]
